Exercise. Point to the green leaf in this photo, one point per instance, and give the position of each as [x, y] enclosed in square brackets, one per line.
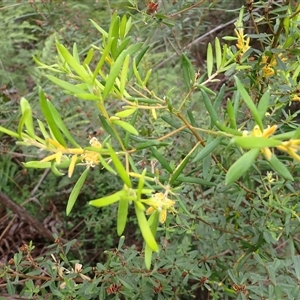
[126, 126]
[123, 78]
[55, 170]
[263, 104]
[280, 168]
[50, 120]
[188, 71]
[141, 185]
[122, 215]
[114, 71]
[178, 170]
[61, 125]
[250, 142]
[231, 114]
[28, 121]
[209, 60]
[89, 57]
[123, 26]
[75, 192]
[145, 229]
[241, 166]
[153, 223]
[246, 97]
[161, 160]
[72, 62]
[126, 113]
[137, 60]
[107, 200]
[119, 166]
[37, 165]
[218, 53]
[209, 148]
[107, 127]
[65, 85]
[106, 165]
[100, 29]
[9, 132]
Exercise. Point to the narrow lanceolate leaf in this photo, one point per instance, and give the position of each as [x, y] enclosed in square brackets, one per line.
[145, 229]
[75, 192]
[279, 167]
[65, 85]
[161, 160]
[209, 60]
[250, 142]
[153, 223]
[126, 126]
[105, 201]
[9, 132]
[209, 148]
[263, 104]
[119, 166]
[28, 121]
[231, 114]
[126, 113]
[188, 71]
[241, 166]
[179, 168]
[50, 120]
[114, 71]
[122, 215]
[72, 62]
[61, 125]
[123, 78]
[218, 53]
[141, 185]
[249, 102]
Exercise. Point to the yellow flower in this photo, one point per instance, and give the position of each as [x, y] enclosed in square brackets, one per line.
[265, 133]
[296, 98]
[270, 62]
[243, 43]
[91, 158]
[291, 147]
[161, 203]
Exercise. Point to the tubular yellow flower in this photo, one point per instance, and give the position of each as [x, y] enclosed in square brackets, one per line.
[161, 203]
[72, 165]
[91, 158]
[265, 133]
[291, 147]
[296, 98]
[242, 42]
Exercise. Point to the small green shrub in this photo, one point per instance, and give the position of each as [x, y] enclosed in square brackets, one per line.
[213, 193]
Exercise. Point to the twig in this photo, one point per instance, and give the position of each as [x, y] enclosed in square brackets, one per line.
[24, 215]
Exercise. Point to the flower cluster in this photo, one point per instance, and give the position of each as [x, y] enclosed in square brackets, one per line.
[242, 41]
[269, 64]
[162, 204]
[61, 153]
[256, 132]
[291, 146]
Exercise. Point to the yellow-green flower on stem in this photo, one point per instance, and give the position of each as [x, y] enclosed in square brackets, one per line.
[269, 64]
[161, 203]
[90, 158]
[242, 42]
[291, 147]
[256, 132]
[296, 98]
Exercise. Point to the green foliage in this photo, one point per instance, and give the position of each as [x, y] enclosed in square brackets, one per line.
[222, 159]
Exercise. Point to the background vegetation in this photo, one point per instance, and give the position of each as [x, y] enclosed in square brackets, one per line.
[234, 241]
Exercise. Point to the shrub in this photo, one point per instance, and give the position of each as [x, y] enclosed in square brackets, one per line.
[225, 174]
